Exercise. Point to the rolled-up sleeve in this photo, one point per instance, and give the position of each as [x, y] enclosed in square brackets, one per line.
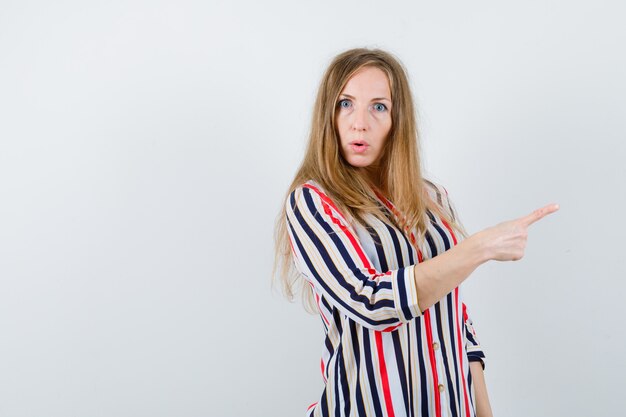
[472, 345]
[328, 253]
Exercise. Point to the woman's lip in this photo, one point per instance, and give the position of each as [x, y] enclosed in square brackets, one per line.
[359, 148]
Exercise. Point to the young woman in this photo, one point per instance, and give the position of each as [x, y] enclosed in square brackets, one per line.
[382, 253]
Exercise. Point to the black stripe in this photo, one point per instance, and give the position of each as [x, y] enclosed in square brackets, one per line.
[393, 234]
[345, 387]
[424, 389]
[455, 340]
[371, 375]
[444, 236]
[431, 244]
[337, 319]
[331, 352]
[337, 381]
[329, 345]
[324, 404]
[338, 359]
[379, 249]
[470, 337]
[400, 283]
[409, 330]
[397, 347]
[356, 347]
[325, 303]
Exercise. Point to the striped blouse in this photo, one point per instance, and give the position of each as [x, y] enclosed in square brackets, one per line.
[382, 355]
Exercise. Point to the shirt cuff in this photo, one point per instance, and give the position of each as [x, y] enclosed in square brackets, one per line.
[405, 294]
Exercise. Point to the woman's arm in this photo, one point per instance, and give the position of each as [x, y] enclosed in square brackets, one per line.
[483, 408]
[506, 241]
[330, 255]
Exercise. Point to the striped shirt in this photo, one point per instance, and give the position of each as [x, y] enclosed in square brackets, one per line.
[382, 355]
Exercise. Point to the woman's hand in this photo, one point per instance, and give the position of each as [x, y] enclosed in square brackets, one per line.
[507, 241]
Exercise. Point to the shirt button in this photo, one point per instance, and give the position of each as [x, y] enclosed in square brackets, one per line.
[435, 345]
[441, 388]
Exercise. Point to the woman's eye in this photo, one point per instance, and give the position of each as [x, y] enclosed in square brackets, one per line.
[380, 107]
[344, 104]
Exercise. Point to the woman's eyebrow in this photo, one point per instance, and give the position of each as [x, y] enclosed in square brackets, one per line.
[374, 99]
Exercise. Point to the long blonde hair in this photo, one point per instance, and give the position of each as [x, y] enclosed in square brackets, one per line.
[347, 186]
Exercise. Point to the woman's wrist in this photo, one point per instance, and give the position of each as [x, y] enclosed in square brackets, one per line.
[476, 248]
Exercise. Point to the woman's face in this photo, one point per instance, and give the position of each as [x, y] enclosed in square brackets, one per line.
[363, 117]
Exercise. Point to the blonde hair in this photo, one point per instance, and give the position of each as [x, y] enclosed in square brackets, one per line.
[346, 185]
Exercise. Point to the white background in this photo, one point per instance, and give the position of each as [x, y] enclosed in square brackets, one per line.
[145, 148]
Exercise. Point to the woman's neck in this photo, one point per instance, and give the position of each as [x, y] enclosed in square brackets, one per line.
[374, 177]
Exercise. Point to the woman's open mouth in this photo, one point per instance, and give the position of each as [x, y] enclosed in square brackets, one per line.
[359, 147]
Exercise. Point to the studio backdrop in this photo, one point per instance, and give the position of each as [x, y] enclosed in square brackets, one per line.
[146, 148]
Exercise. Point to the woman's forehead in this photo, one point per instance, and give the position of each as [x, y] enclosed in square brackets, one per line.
[368, 81]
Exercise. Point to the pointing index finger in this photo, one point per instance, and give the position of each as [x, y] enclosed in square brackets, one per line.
[539, 214]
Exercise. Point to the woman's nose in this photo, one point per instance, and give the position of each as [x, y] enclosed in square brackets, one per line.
[360, 119]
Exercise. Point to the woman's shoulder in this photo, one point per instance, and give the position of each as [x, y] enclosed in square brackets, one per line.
[311, 188]
[439, 195]
[309, 184]
[312, 196]
[436, 191]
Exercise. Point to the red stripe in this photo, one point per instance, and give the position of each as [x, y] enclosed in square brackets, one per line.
[383, 373]
[433, 363]
[392, 328]
[292, 248]
[459, 350]
[324, 197]
[387, 202]
[445, 223]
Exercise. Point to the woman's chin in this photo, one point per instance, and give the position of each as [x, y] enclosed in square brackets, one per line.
[359, 162]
